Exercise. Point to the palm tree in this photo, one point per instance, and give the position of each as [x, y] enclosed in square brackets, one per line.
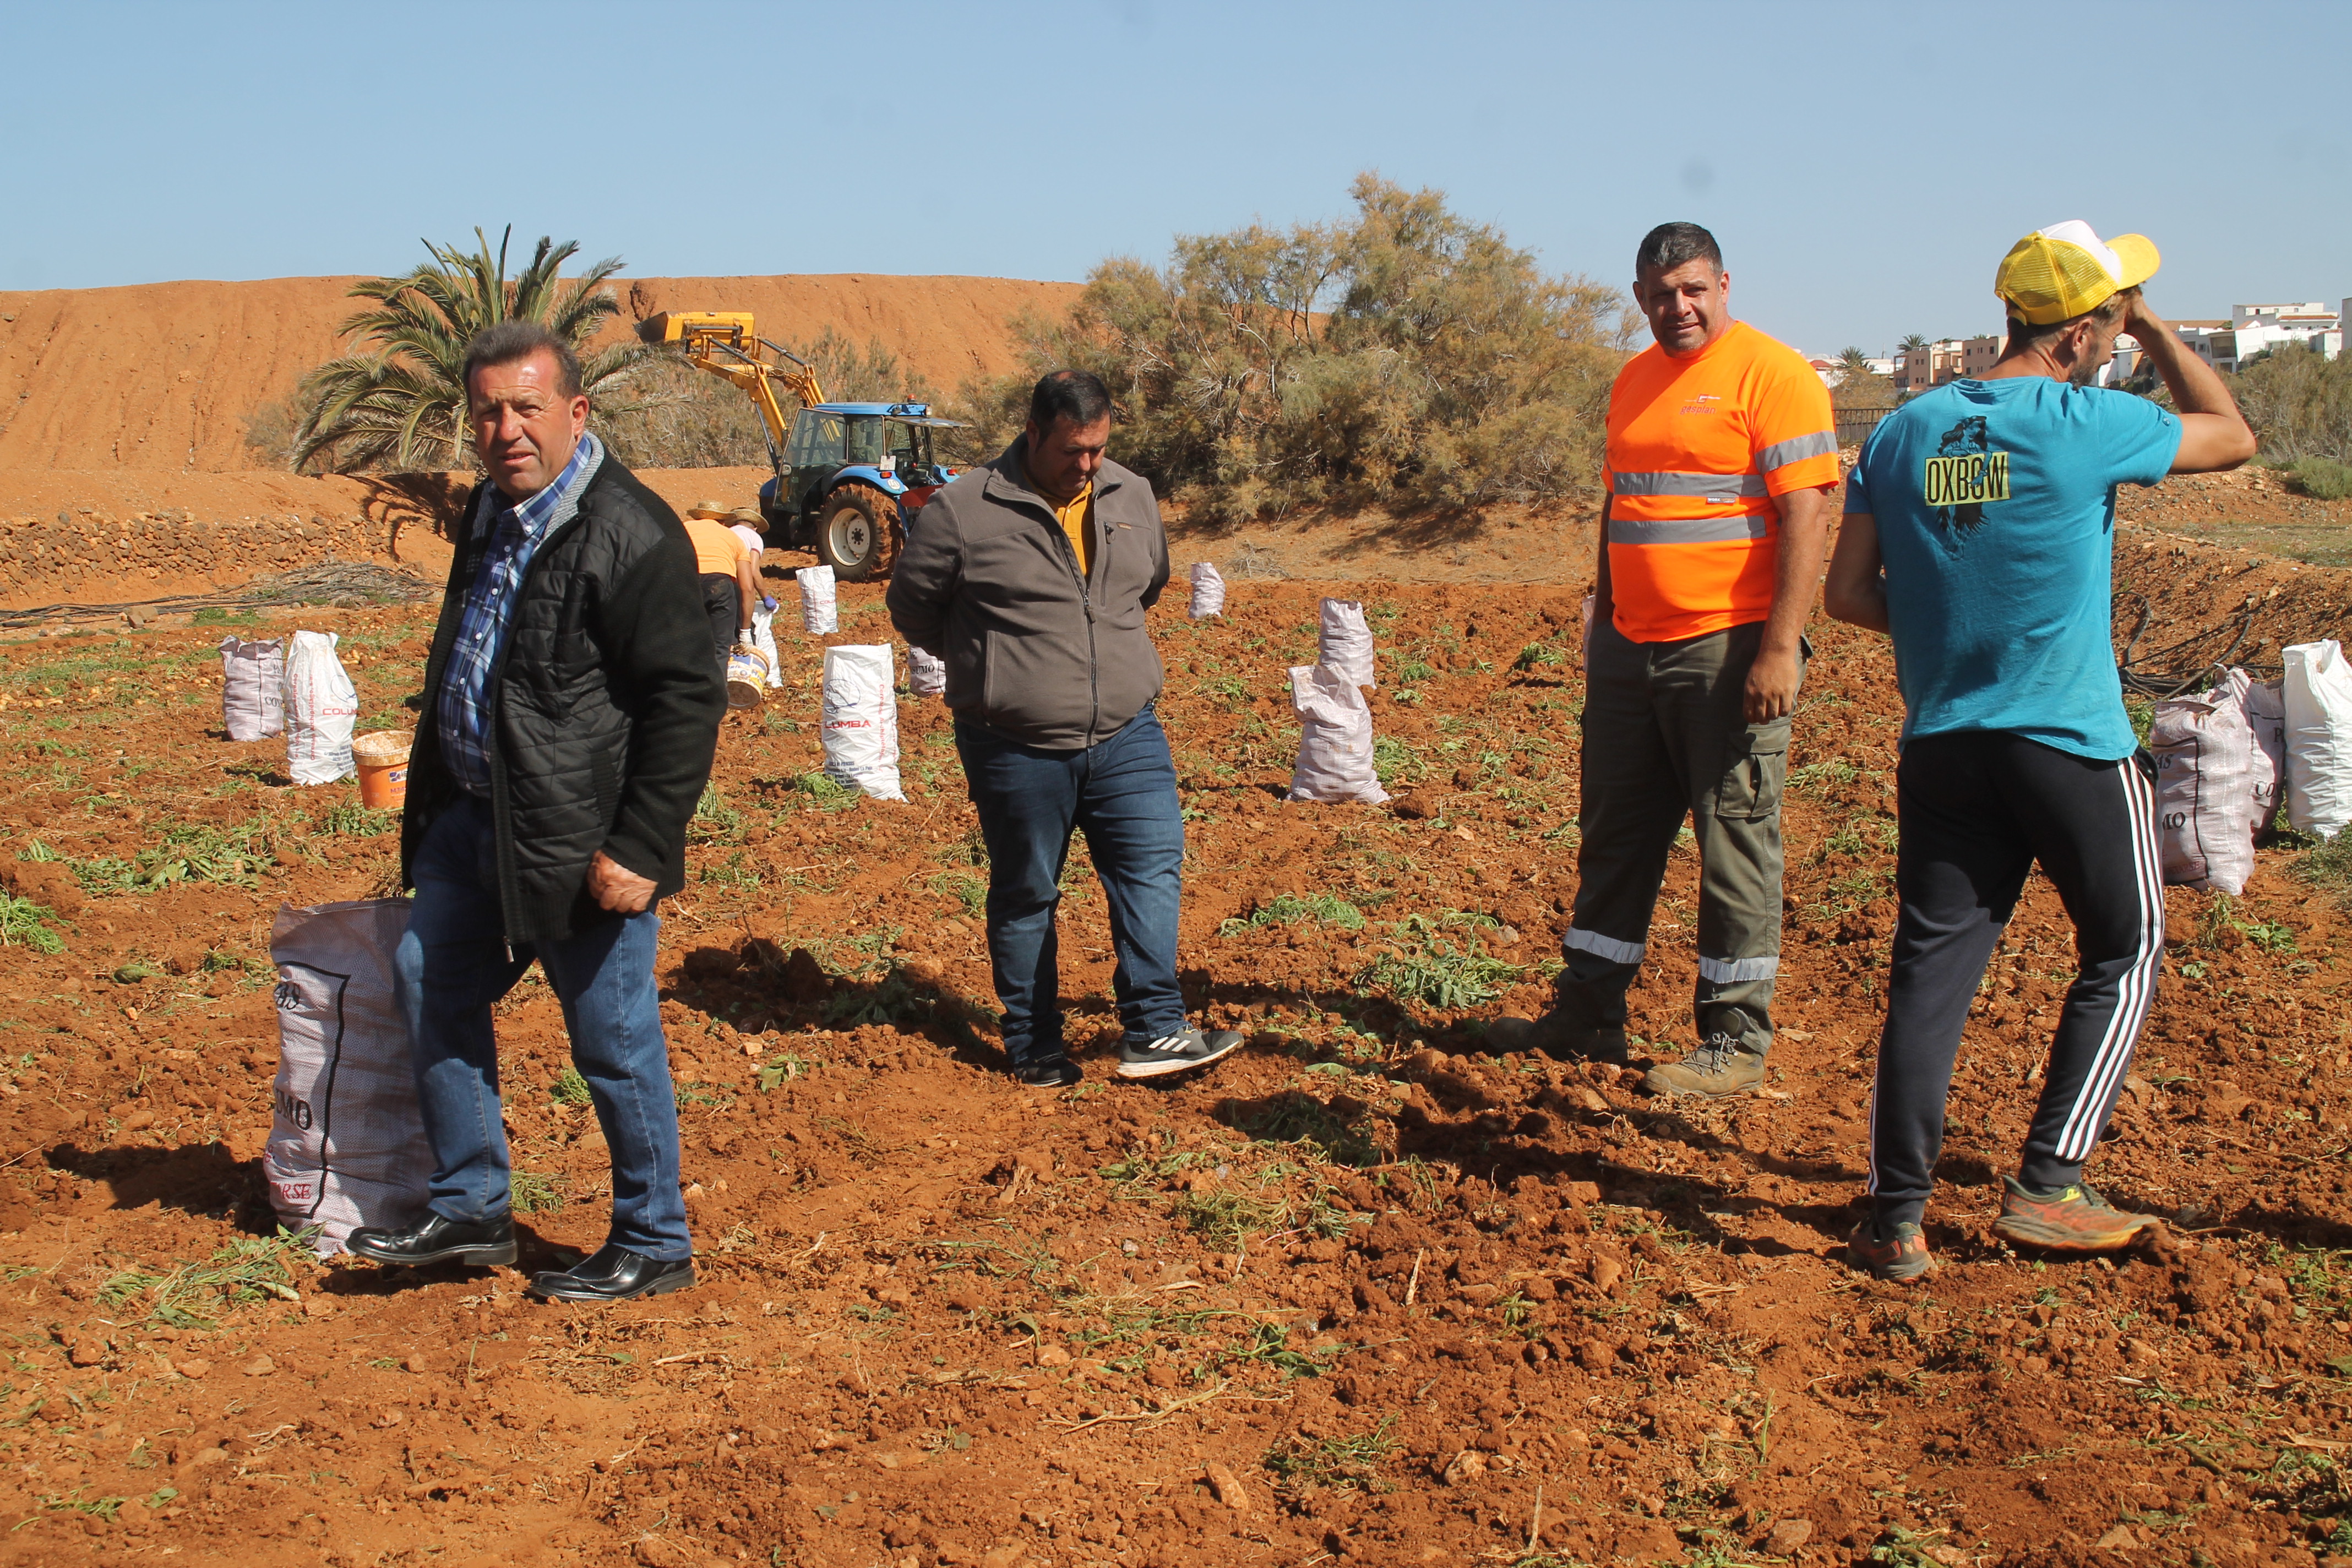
[398, 400]
[1860, 386]
[1912, 341]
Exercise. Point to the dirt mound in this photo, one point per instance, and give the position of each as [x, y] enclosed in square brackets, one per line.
[162, 375]
[1361, 1293]
[116, 536]
[164, 535]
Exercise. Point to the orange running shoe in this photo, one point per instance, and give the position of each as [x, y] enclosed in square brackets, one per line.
[1903, 1256]
[2069, 1219]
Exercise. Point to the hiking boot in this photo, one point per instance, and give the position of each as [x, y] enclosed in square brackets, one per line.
[1059, 1073]
[1902, 1256]
[1717, 1069]
[1558, 1036]
[2070, 1218]
[1181, 1052]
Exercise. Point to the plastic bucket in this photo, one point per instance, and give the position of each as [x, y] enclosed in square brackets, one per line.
[383, 759]
[747, 677]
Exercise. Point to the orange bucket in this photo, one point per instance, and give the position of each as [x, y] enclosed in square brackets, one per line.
[383, 759]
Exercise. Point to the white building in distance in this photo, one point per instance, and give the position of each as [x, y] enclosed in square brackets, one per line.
[2252, 329]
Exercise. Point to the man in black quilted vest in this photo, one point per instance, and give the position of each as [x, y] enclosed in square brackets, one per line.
[570, 711]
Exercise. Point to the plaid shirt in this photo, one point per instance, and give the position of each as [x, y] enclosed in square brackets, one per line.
[516, 533]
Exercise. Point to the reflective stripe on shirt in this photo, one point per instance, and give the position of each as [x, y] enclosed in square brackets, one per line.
[1713, 486]
[1780, 454]
[1689, 530]
[1698, 447]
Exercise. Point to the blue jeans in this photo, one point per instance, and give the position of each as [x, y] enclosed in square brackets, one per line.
[1122, 791]
[454, 964]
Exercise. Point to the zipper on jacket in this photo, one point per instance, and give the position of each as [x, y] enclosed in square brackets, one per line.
[493, 686]
[437, 661]
[1085, 603]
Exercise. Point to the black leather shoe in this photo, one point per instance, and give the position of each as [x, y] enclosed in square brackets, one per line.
[432, 1239]
[613, 1274]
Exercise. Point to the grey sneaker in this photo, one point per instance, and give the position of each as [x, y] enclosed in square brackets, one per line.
[1181, 1052]
[1717, 1069]
[1059, 1073]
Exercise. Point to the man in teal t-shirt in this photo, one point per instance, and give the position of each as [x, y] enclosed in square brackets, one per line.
[1980, 532]
[1998, 533]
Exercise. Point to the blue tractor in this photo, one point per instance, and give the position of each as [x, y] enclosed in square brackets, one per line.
[849, 481]
[849, 476]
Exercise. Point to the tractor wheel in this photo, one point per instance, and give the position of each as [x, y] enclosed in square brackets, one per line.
[858, 532]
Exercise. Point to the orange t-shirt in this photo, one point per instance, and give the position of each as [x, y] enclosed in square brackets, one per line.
[1073, 515]
[1697, 447]
[716, 549]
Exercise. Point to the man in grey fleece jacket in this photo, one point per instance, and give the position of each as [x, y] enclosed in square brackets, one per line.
[1029, 577]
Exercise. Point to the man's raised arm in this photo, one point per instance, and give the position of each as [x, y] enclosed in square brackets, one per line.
[2214, 436]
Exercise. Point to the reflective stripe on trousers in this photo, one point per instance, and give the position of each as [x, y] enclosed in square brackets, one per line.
[1665, 738]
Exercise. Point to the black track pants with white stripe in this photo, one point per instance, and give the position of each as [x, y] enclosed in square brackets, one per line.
[1977, 809]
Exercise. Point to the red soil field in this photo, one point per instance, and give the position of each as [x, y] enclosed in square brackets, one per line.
[1363, 1293]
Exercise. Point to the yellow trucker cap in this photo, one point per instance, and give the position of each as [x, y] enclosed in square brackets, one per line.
[2059, 272]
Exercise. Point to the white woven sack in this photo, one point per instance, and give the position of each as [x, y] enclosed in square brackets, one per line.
[861, 719]
[252, 688]
[2204, 751]
[347, 1147]
[321, 706]
[819, 602]
[763, 638]
[2266, 715]
[2318, 739]
[1345, 645]
[1334, 738]
[1208, 592]
[926, 675]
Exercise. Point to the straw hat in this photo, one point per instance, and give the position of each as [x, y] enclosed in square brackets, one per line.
[711, 509]
[746, 514]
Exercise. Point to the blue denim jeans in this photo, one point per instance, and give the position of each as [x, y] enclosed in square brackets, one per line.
[453, 966]
[1122, 793]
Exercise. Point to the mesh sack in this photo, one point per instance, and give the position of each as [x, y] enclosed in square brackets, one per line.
[252, 688]
[1335, 738]
[1344, 647]
[347, 1145]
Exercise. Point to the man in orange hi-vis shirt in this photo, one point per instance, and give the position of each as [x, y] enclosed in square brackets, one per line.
[1722, 457]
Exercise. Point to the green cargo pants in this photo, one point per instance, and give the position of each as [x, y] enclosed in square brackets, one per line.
[1665, 737]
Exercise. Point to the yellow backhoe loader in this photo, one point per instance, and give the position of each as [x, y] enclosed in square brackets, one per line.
[849, 476]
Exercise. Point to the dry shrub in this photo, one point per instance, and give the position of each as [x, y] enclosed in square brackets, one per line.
[269, 432]
[2299, 403]
[669, 415]
[1406, 358]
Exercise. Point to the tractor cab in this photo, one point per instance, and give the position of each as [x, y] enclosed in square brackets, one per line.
[852, 478]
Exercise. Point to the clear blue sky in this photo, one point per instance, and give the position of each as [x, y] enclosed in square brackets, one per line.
[1863, 165]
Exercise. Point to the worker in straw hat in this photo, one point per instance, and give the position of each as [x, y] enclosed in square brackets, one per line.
[744, 524]
[1979, 534]
[729, 571]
